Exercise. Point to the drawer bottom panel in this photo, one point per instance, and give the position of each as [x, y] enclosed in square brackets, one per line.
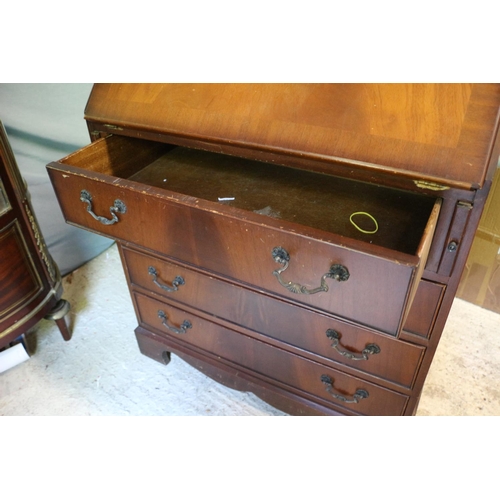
[272, 364]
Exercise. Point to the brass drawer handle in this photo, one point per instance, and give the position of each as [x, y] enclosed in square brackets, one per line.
[356, 398]
[118, 207]
[176, 283]
[367, 351]
[185, 324]
[337, 272]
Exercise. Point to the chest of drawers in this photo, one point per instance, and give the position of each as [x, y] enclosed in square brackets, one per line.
[303, 242]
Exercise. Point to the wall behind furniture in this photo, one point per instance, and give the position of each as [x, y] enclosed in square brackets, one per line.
[44, 122]
[480, 283]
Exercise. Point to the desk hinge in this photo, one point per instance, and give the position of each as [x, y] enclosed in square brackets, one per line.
[112, 127]
[433, 186]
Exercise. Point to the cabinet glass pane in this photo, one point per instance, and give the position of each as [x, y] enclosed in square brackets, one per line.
[4, 202]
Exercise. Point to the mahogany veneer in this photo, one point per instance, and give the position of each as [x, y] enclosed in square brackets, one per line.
[303, 242]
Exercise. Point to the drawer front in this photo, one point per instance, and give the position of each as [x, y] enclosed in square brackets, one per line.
[332, 339]
[374, 293]
[294, 372]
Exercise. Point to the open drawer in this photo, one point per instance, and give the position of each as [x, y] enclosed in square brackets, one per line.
[282, 231]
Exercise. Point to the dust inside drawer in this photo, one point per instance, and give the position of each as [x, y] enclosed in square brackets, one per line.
[387, 217]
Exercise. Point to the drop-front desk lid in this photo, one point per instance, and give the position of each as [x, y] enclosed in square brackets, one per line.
[438, 133]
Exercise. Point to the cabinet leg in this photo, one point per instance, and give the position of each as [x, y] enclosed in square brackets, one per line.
[58, 314]
[166, 357]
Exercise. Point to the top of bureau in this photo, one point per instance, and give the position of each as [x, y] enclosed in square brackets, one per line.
[444, 134]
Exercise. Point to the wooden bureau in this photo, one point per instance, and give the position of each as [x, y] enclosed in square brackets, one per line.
[300, 241]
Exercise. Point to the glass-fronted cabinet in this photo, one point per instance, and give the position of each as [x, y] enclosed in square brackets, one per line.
[30, 282]
[4, 201]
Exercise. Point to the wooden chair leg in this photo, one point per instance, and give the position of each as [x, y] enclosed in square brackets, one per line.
[58, 313]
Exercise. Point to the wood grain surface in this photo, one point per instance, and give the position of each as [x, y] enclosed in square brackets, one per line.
[440, 132]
